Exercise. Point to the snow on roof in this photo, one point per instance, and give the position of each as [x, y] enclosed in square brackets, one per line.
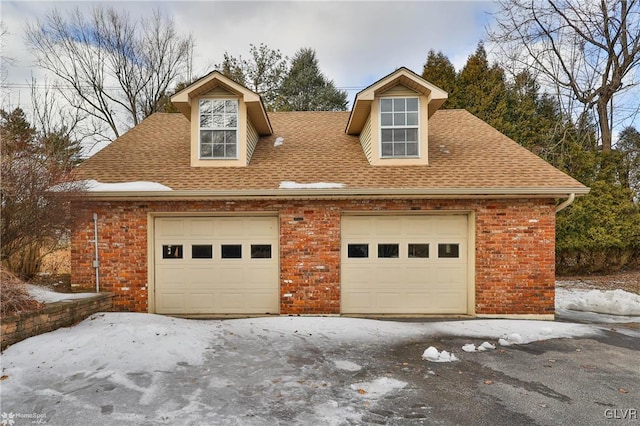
[316, 185]
[92, 185]
[96, 186]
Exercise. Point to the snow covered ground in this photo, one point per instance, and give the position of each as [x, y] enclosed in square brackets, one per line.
[128, 368]
[42, 294]
[612, 306]
[135, 353]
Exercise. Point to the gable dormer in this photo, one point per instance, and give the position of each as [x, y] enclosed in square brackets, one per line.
[391, 118]
[227, 119]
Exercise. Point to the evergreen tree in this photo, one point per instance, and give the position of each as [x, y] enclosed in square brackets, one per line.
[628, 146]
[482, 91]
[305, 88]
[439, 71]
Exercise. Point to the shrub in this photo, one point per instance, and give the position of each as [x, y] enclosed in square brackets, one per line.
[14, 295]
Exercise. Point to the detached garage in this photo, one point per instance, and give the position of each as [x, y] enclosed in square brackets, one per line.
[395, 207]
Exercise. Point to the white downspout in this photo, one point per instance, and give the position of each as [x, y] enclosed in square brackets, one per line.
[96, 262]
[566, 203]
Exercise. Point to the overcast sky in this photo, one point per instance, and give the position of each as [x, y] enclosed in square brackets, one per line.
[356, 42]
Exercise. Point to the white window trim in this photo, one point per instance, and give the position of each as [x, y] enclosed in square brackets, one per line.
[236, 128]
[381, 127]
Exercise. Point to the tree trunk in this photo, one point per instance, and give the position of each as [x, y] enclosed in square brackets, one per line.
[603, 122]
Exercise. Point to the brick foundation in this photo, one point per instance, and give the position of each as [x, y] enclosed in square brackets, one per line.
[514, 262]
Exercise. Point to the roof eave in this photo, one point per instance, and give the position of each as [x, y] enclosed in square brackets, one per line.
[255, 107]
[362, 103]
[342, 193]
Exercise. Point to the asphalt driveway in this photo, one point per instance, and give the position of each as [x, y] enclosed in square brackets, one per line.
[255, 375]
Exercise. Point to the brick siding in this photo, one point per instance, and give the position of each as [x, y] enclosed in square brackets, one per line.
[514, 263]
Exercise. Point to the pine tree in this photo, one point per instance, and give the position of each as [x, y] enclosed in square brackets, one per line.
[482, 91]
[438, 70]
[305, 88]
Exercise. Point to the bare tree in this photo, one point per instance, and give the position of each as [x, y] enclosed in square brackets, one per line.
[108, 64]
[33, 218]
[263, 73]
[4, 60]
[587, 49]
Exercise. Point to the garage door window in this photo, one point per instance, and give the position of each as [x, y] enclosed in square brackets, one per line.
[388, 250]
[261, 251]
[358, 250]
[202, 251]
[418, 250]
[448, 250]
[231, 251]
[172, 251]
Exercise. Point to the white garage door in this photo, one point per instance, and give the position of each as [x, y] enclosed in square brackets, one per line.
[216, 265]
[404, 264]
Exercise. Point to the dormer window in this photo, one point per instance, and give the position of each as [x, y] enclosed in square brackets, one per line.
[399, 127]
[218, 127]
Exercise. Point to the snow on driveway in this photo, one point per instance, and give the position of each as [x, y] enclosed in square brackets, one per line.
[128, 368]
[143, 369]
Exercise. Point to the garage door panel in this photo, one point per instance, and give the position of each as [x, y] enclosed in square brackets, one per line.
[388, 274]
[200, 228]
[256, 301]
[198, 275]
[170, 227]
[209, 283]
[231, 302]
[358, 301]
[359, 274]
[389, 299]
[451, 276]
[386, 227]
[261, 228]
[423, 278]
[258, 277]
[418, 227]
[171, 302]
[230, 228]
[417, 301]
[201, 301]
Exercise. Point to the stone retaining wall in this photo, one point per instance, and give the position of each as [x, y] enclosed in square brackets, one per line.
[16, 328]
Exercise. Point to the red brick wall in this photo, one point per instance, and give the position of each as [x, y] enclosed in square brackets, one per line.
[515, 249]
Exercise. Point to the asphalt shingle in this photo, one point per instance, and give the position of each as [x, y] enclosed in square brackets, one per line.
[464, 153]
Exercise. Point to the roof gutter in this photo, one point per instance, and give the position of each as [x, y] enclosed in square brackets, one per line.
[339, 193]
[566, 203]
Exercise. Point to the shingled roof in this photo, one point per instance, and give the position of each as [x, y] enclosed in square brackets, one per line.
[467, 157]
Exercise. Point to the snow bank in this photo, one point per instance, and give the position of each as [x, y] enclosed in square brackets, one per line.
[47, 296]
[117, 341]
[612, 302]
[316, 185]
